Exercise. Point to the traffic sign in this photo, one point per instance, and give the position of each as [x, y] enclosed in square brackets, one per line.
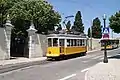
[106, 36]
[106, 30]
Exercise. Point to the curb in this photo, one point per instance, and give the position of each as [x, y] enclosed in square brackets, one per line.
[11, 67]
[94, 51]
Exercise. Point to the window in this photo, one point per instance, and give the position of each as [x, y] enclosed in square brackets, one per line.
[83, 42]
[49, 42]
[77, 42]
[71, 42]
[68, 42]
[61, 42]
[80, 42]
[55, 42]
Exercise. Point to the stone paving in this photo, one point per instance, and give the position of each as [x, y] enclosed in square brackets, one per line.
[104, 71]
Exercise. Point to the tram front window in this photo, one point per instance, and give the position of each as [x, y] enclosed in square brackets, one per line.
[55, 42]
[49, 42]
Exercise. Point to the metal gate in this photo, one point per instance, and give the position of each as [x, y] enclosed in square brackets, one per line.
[19, 47]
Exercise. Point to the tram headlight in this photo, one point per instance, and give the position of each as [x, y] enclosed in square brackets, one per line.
[49, 52]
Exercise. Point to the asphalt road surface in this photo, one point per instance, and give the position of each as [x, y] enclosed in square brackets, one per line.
[70, 69]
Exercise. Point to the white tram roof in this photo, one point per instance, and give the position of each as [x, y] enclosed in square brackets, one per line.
[66, 36]
[110, 39]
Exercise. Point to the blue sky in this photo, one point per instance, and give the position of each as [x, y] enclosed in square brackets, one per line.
[89, 9]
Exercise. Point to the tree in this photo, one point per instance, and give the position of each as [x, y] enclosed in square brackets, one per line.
[59, 27]
[5, 5]
[78, 25]
[68, 25]
[96, 28]
[89, 32]
[23, 11]
[42, 14]
[114, 23]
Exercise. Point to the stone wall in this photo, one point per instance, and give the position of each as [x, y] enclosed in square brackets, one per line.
[40, 45]
[3, 54]
[95, 44]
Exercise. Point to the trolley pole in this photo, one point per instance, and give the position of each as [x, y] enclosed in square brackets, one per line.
[105, 51]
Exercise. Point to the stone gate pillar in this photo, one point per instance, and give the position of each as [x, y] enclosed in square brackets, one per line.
[8, 27]
[31, 33]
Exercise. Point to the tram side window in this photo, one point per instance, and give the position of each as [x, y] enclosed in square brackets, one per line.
[55, 42]
[77, 42]
[61, 42]
[71, 42]
[83, 42]
[68, 42]
[80, 42]
[49, 42]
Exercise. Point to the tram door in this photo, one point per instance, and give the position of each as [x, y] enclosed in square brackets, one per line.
[61, 43]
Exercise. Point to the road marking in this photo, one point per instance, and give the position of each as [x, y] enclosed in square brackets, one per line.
[67, 77]
[85, 70]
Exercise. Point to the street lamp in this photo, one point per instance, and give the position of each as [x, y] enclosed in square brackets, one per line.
[105, 51]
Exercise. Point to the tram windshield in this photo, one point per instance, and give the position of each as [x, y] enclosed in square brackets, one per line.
[52, 42]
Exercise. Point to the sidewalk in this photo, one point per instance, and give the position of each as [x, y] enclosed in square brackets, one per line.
[20, 60]
[104, 71]
[13, 64]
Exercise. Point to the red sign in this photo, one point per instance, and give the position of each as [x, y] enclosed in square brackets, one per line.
[105, 35]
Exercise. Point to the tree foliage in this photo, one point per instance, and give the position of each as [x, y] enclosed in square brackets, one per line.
[23, 11]
[88, 32]
[68, 25]
[59, 27]
[78, 25]
[5, 5]
[96, 28]
[114, 23]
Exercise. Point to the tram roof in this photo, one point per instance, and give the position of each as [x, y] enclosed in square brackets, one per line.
[65, 36]
[110, 39]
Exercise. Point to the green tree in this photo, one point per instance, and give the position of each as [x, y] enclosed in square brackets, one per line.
[114, 23]
[89, 32]
[68, 25]
[41, 12]
[59, 27]
[96, 28]
[78, 25]
[5, 5]
[23, 11]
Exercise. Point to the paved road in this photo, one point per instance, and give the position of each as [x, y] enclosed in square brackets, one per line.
[71, 69]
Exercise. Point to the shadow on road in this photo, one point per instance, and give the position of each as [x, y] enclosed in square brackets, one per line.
[66, 57]
[115, 57]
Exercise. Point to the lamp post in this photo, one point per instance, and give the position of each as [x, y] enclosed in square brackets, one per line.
[105, 51]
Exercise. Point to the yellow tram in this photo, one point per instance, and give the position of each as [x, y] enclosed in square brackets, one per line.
[110, 43]
[65, 44]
